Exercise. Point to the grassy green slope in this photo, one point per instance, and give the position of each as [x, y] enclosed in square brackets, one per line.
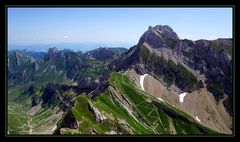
[128, 88]
[144, 117]
[22, 116]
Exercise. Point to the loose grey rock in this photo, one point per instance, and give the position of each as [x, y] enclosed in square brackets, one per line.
[99, 117]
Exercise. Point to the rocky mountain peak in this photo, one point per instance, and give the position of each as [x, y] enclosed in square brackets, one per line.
[163, 30]
[22, 58]
[167, 30]
[182, 63]
[51, 53]
[158, 36]
[53, 50]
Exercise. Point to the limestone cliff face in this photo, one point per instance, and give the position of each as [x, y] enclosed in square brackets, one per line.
[174, 61]
[155, 36]
[20, 65]
[203, 55]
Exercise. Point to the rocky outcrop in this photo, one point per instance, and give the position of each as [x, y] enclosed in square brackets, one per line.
[126, 60]
[17, 59]
[225, 62]
[111, 133]
[49, 94]
[51, 53]
[152, 39]
[99, 117]
[29, 91]
[159, 36]
[36, 66]
[125, 125]
[20, 65]
[207, 60]
[53, 97]
[202, 55]
[65, 103]
[34, 101]
[105, 54]
[69, 121]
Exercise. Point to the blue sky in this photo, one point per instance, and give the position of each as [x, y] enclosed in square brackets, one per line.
[113, 26]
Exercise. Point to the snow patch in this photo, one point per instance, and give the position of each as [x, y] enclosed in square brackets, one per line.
[142, 80]
[181, 96]
[161, 99]
[198, 119]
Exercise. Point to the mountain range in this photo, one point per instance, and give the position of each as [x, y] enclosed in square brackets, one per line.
[162, 85]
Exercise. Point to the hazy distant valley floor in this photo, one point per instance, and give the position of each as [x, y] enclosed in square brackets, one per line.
[24, 118]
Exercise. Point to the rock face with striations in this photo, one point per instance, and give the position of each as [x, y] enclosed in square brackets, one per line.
[52, 97]
[99, 117]
[51, 53]
[173, 59]
[156, 36]
[19, 65]
[225, 61]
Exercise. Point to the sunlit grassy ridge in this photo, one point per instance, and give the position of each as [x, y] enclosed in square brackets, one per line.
[140, 111]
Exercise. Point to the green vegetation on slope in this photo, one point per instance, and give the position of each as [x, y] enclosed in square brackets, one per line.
[169, 41]
[121, 84]
[94, 67]
[218, 90]
[20, 106]
[171, 72]
[221, 44]
[143, 114]
[29, 78]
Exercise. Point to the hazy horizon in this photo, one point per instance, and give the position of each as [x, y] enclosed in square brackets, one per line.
[113, 26]
[43, 47]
